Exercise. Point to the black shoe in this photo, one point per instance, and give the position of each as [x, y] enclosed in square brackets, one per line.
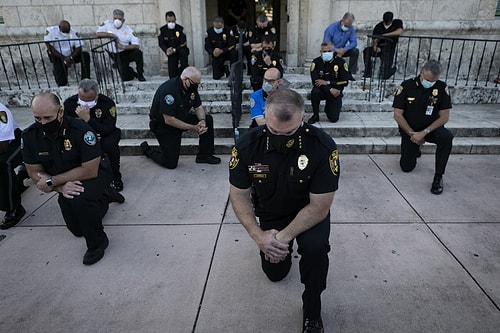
[145, 148]
[314, 118]
[437, 185]
[313, 326]
[117, 185]
[13, 217]
[113, 196]
[226, 70]
[419, 152]
[141, 77]
[93, 256]
[209, 159]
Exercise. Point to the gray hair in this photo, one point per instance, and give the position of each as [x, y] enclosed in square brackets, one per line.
[53, 98]
[89, 85]
[433, 66]
[347, 16]
[118, 12]
[190, 72]
[284, 103]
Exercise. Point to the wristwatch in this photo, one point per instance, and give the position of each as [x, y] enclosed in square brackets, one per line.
[49, 181]
[427, 131]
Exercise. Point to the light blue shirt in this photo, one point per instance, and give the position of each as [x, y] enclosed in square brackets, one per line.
[257, 104]
[340, 39]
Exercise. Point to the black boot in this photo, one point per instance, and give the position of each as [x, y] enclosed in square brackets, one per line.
[437, 184]
[314, 118]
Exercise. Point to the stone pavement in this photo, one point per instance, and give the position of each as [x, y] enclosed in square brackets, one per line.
[402, 259]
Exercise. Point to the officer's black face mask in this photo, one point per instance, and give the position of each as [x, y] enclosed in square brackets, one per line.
[283, 143]
[193, 87]
[51, 127]
[267, 51]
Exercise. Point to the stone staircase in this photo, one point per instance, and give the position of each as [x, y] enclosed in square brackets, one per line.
[365, 126]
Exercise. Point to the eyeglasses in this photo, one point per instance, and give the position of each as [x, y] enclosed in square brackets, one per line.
[271, 81]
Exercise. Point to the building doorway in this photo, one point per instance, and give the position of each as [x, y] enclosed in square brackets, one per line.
[275, 10]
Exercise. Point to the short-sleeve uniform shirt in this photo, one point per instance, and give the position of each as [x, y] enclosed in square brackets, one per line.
[283, 182]
[60, 42]
[421, 106]
[380, 29]
[171, 99]
[125, 35]
[257, 104]
[75, 144]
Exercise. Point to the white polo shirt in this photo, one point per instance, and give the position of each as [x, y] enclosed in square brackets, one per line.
[57, 40]
[125, 35]
[7, 124]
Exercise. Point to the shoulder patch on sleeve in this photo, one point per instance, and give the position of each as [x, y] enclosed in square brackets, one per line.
[273, 30]
[112, 111]
[399, 91]
[313, 66]
[3, 117]
[233, 162]
[446, 90]
[334, 162]
[169, 99]
[346, 66]
[252, 102]
[89, 138]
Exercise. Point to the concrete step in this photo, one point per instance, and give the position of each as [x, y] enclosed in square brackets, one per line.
[346, 145]
[351, 124]
[224, 107]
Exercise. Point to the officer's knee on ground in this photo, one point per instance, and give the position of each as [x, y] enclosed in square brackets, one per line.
[407, 167]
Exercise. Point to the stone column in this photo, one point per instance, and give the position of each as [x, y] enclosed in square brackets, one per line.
[317, 21]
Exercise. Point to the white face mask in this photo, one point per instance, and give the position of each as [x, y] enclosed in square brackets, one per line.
[267, 87]
[117, 23]
[171, 25]
[90, 104]
[217, 30]
[344, 28]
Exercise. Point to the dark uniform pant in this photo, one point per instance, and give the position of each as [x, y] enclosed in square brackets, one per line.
[10, 194]
[61, 71]
[353, 55]
[123, 60]
[386, 57]
[218, 69]
[83, 214]
[313, 247]
[332, 106]
[180, 56]
[109, 145]
[170, 137]
[441, 136]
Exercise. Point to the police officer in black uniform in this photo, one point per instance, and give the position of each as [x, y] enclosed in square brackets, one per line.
[170, 116]
[172, 41]
[241, 30]
[294, 168]
[329, 76]
[221, 46]
[263, 60]
[262, 28]
[11, 185]
[62, 154]
[421, 109]
[99, 111]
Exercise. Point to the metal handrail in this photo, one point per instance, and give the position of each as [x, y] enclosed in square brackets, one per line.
[465, 61]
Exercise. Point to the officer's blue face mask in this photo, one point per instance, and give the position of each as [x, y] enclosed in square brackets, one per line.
[327, 56]
[344, 28]
[217, 30]
[426, 84]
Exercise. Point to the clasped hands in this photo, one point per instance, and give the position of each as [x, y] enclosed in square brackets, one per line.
[69, 190]
[83, 112]
[273, 249]
[200, 128]
[417, 137]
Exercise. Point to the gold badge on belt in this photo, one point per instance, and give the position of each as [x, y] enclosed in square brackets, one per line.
[67, 145]
[302, 162]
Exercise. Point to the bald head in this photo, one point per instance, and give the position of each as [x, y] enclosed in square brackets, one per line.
[64, 26]
[192, 73]
[272, 73]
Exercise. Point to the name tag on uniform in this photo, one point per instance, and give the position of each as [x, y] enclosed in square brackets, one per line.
[429, 110]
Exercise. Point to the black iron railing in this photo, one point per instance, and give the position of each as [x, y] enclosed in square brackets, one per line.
[467, 62]
[236, 89]
[27, 66]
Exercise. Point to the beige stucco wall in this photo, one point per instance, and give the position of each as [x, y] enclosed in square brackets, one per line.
[25, 20]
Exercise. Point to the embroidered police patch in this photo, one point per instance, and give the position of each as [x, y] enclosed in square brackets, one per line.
[233, 162]
[169, 99]
[89, 138]
[252, 102]
[3, 117]
[112, 111]
[334, 162]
